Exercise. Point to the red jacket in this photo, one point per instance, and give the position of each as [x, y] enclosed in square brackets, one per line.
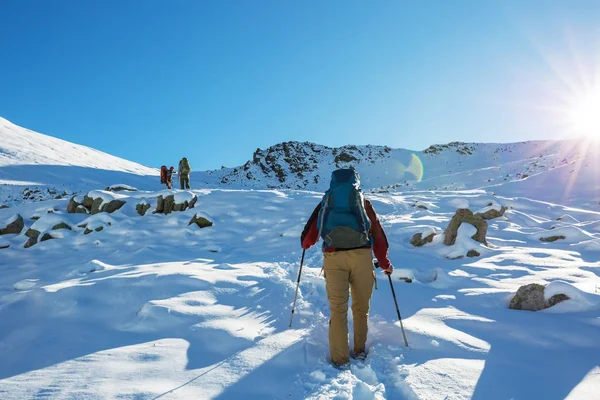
[310, 235]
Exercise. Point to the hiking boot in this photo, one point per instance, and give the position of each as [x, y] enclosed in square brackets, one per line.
[361, 355]
[342, 367]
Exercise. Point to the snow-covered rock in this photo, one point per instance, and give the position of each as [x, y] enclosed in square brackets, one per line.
[532, 297]
[12, 225]
[180, 201]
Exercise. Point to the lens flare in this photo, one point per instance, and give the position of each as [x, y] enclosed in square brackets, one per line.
[415, 168]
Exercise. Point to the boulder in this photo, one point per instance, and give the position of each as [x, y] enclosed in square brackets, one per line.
[492, 213]
[62, 225]
[75, 207]
[4, 245]
[16, 226]
[465, 215]
[418, 240]
[46, 236]
[3, 206]
[87, 202]
[200, 221]
[473, 254]
[551, 239]
[30, 242]
[81, 210]
[33, 235]
[166, 205]
[99, 205]
[142, 208]
[531, 298]
[112, 206]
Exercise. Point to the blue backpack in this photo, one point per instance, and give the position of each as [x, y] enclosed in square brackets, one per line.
[343, 222]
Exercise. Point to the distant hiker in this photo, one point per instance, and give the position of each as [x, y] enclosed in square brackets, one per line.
[166, 176]
[170, 173]
[163, 174]
[184, 173]
[350, 230]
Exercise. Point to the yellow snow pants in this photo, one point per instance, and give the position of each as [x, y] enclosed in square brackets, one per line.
[348, 273]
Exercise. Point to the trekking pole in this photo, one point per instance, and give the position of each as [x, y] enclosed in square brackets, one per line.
[297, 286]
[398, 311]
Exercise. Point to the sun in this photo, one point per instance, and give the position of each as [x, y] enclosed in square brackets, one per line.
[585, 115]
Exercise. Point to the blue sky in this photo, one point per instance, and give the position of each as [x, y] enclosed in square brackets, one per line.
[153, 81]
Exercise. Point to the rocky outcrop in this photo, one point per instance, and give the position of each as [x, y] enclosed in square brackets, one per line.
[14, 227]
[3, 206]
[91, 204]
[531, 298]
[418, 240]
[166, 205]
[465, 215]
[200, 221]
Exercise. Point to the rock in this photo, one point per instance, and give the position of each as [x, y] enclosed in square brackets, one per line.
[81, 210]
[200, 221]
[30, 242]
[4, 246]
[167, 204]
[14, 227]
[3, 206]
[62, 225]
[46, 236]
[418, 240]
[112, 206]
[73, 205]
[492, 214]
[98, 205]
[552, 238]
[87, 231]
[465, 215]
[87, 202]
[32, 233]
[120, 188]
[473, 254]
[160, 205]
[531, 298]
[142, 208]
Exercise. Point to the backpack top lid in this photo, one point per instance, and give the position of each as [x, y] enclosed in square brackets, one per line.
[344, 176]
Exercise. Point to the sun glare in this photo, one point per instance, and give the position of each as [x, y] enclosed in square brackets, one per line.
[585, 115]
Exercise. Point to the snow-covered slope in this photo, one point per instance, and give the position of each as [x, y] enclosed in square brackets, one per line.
[147, 307]
[150, 307]
[34, 162]
[20, 146]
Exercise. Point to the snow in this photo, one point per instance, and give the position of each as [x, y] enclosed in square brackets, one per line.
[578, 299]
[182, 197]
[151, 308]
[9, 220]
[21, 146]
[25, 284]
[47, 221]
[123, 186]
[572, 234]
